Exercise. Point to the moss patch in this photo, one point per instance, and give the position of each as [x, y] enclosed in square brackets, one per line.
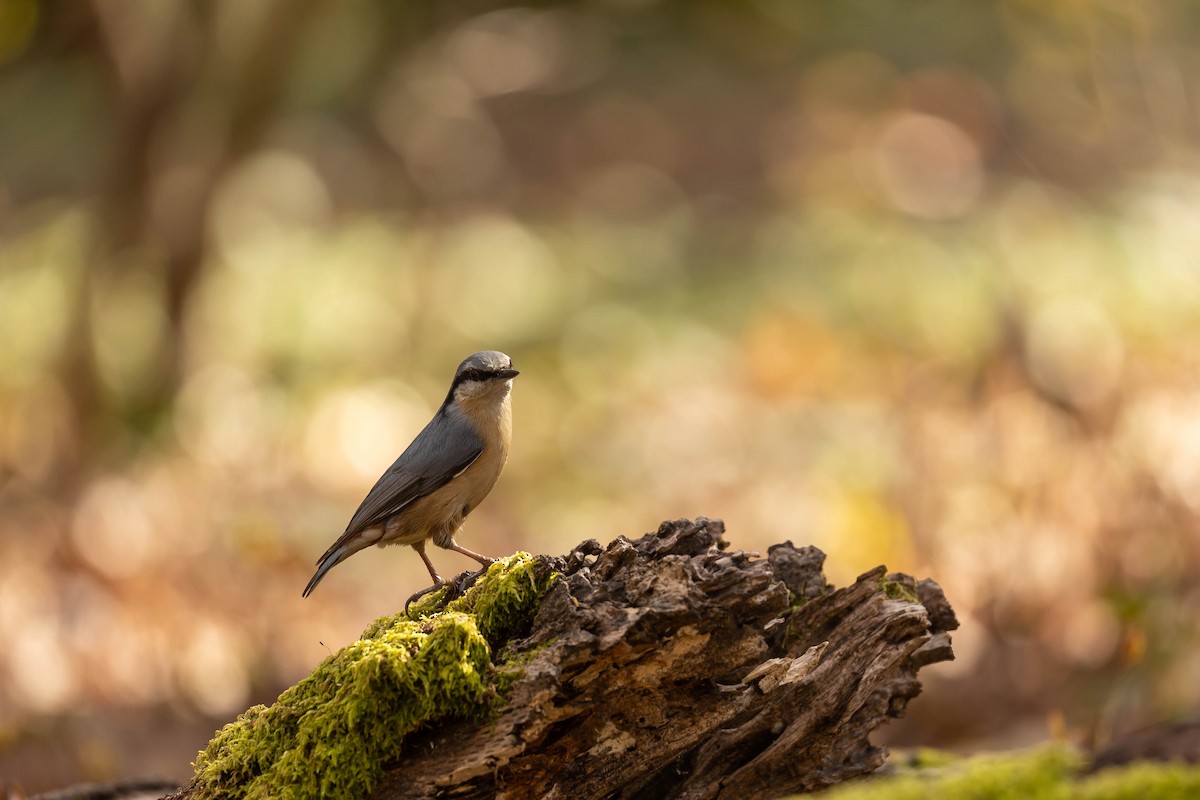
[897, 590]
[1049, 773]
[329, 735]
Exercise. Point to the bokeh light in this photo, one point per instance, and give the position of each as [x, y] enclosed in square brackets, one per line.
[915, 284]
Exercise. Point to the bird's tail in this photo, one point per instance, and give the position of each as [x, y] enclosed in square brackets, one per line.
[333, 556]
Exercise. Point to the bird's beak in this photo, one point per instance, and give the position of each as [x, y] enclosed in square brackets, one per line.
[507, 373]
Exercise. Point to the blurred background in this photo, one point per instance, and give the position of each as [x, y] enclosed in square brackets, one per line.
[917, 283]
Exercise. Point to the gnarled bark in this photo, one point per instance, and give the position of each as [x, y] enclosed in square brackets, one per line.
[668, 667]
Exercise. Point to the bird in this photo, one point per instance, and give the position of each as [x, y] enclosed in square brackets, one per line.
[442, 476]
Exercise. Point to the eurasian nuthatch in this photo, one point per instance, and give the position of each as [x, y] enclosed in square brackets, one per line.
[444, 474]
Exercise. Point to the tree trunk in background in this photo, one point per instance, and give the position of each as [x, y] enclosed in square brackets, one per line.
[154, 79]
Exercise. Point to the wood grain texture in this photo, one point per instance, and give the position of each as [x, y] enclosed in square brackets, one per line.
[670, 667]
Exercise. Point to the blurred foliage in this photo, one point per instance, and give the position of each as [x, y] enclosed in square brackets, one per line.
[1048, 773]
[914, 282]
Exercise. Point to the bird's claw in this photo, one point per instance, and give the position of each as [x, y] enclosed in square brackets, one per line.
[467, 579]
[418, 595]
[455, 588]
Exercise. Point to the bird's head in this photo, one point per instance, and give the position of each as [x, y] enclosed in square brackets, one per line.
[483, 377]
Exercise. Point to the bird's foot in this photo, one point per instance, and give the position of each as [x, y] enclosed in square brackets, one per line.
[429, 590]
[467, 579]
[455, 588]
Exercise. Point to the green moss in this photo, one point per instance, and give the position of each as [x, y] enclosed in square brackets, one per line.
[1049, 773]
[329, 735]
[796, 601]
[506, 598]
[922, 758]
[897, 590]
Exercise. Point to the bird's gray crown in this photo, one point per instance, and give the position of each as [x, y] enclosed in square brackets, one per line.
[484, 365]
[485, 361]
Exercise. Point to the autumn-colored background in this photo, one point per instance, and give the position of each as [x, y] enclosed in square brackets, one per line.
[916, 282]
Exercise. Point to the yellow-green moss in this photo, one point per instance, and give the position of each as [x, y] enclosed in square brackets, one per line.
[923, 758]
[895, 590]
[329, 735]
[1049, 773]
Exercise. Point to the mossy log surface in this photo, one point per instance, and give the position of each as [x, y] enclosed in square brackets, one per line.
[671, 667]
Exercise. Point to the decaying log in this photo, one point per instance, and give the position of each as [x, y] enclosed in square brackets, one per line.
[669, 667]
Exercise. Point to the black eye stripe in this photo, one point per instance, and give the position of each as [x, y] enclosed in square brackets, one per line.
[472, 374]
[475, 374]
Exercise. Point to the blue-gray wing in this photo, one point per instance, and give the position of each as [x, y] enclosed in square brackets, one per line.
[446, 447]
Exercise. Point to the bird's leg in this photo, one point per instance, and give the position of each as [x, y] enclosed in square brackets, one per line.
[437, 579]
[420, 548]
[484, 560]
[462, 585]
[468, 579]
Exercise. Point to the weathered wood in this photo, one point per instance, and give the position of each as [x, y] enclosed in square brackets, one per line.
[669, 667]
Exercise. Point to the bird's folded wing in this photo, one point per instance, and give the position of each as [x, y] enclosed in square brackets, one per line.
[427, 465]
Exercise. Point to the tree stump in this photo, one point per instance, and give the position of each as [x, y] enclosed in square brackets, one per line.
[670, 667]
